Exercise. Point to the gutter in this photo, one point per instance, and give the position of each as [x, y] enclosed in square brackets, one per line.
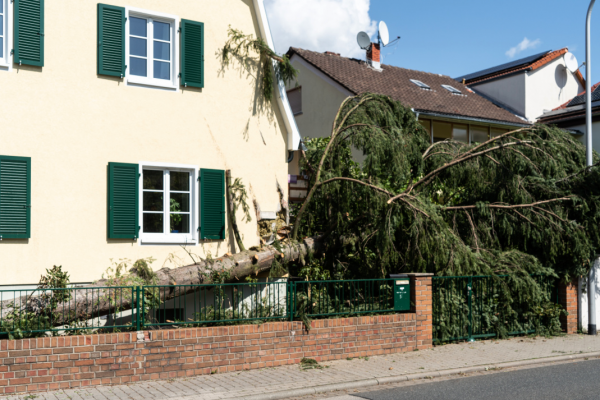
[289, 121]
[474, 119]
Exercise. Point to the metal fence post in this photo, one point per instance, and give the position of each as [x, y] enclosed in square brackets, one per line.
[470, 292]
[141, 308]
[292, 297]
[137, 308]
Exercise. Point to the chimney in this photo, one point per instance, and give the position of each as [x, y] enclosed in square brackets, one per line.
[331, 53]
[374, 56]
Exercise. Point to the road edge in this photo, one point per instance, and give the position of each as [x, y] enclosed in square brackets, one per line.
[284, 394]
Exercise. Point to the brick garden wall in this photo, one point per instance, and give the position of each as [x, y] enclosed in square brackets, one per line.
[42, 364]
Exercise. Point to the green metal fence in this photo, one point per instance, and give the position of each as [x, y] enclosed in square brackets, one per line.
[36, 311]
[349, 297]
[463, 307]
[193, 305]
[106, 309]
[470, 307]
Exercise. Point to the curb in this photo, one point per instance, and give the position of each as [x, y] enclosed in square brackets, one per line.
[401, 378]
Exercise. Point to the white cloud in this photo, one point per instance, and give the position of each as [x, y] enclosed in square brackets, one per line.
[524, 45]
[320, 25]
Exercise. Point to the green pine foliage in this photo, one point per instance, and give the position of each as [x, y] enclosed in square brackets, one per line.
[521, 203]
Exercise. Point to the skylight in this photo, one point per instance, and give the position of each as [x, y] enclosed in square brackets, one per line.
[451, 89]
[420, 84]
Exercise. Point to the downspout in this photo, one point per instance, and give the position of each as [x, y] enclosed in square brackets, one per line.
[415, 112]
[288, 117]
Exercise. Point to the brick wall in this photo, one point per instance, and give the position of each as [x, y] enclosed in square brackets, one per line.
[42, 364]
[568, 298]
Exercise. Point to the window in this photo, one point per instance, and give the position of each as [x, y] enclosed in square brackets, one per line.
[168, 204]
[2, 29]
[420, 84]
[441, 131]
[479, 134]
[497, 132]
[295, 99]
[15, 197]
[460, 133]
[5, 32]
[151, 49]
[451, 89]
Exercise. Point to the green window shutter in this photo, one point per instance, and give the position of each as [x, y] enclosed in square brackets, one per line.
[29, 32]
[192, 53]
[111, 40]
[15, 197]
[212, 204]
[123, 201]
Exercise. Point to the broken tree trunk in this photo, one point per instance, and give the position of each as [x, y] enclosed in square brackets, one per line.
[98, 300]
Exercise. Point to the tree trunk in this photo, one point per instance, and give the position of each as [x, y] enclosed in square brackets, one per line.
[97, 300]
[231, 213]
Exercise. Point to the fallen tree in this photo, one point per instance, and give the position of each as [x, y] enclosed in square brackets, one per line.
[103, 297]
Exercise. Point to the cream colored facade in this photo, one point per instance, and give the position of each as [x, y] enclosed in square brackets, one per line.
[73, 122]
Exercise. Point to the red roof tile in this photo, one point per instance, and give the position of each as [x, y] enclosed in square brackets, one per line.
[551, 56]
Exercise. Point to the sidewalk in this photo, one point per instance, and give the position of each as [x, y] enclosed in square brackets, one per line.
[292, 381]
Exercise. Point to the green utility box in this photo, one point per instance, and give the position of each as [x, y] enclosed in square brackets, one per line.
[401, 292]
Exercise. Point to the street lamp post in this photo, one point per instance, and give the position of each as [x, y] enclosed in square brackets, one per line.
[588, 159]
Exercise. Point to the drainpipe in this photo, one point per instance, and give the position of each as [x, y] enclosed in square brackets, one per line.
[588, 159]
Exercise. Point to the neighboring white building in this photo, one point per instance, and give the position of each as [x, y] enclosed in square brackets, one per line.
[530, 86]
[571, 116]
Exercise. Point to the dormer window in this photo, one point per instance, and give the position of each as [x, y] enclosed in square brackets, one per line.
[451, 89]
[420, 84]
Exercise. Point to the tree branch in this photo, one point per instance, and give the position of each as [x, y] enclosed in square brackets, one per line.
[455, 162]
[499, 206]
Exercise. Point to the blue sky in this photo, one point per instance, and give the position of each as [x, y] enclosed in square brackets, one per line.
[447, 37]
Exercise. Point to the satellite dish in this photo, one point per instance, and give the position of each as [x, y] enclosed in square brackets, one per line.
[571, 62]
[384, 33]
[363, 39]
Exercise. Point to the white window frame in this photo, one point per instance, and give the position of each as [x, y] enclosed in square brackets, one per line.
[171, 238]
[7, 59]
[452, 89]
[148, 81]
[420, 84]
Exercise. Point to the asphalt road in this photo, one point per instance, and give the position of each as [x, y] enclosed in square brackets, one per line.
[573, 381]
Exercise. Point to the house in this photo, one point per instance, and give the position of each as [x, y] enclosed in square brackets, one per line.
[118, 124]
[571, 116]
[447, 109]
[529, 86]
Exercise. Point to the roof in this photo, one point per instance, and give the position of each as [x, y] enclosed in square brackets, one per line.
[570, 115]
[357, 77]
[530, 63]
[580, 98]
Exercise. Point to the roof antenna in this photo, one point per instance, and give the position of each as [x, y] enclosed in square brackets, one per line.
[364, 41]
[384, 35]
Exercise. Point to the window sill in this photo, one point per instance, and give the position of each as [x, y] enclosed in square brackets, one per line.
[151, 83]
[167, 239]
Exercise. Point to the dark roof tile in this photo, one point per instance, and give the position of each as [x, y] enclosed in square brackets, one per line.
[356, 76]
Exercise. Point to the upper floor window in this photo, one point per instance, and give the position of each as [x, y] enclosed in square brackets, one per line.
[4, 45]
[451, 89]
[420, 84]
[295, 99]
[152, 49]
